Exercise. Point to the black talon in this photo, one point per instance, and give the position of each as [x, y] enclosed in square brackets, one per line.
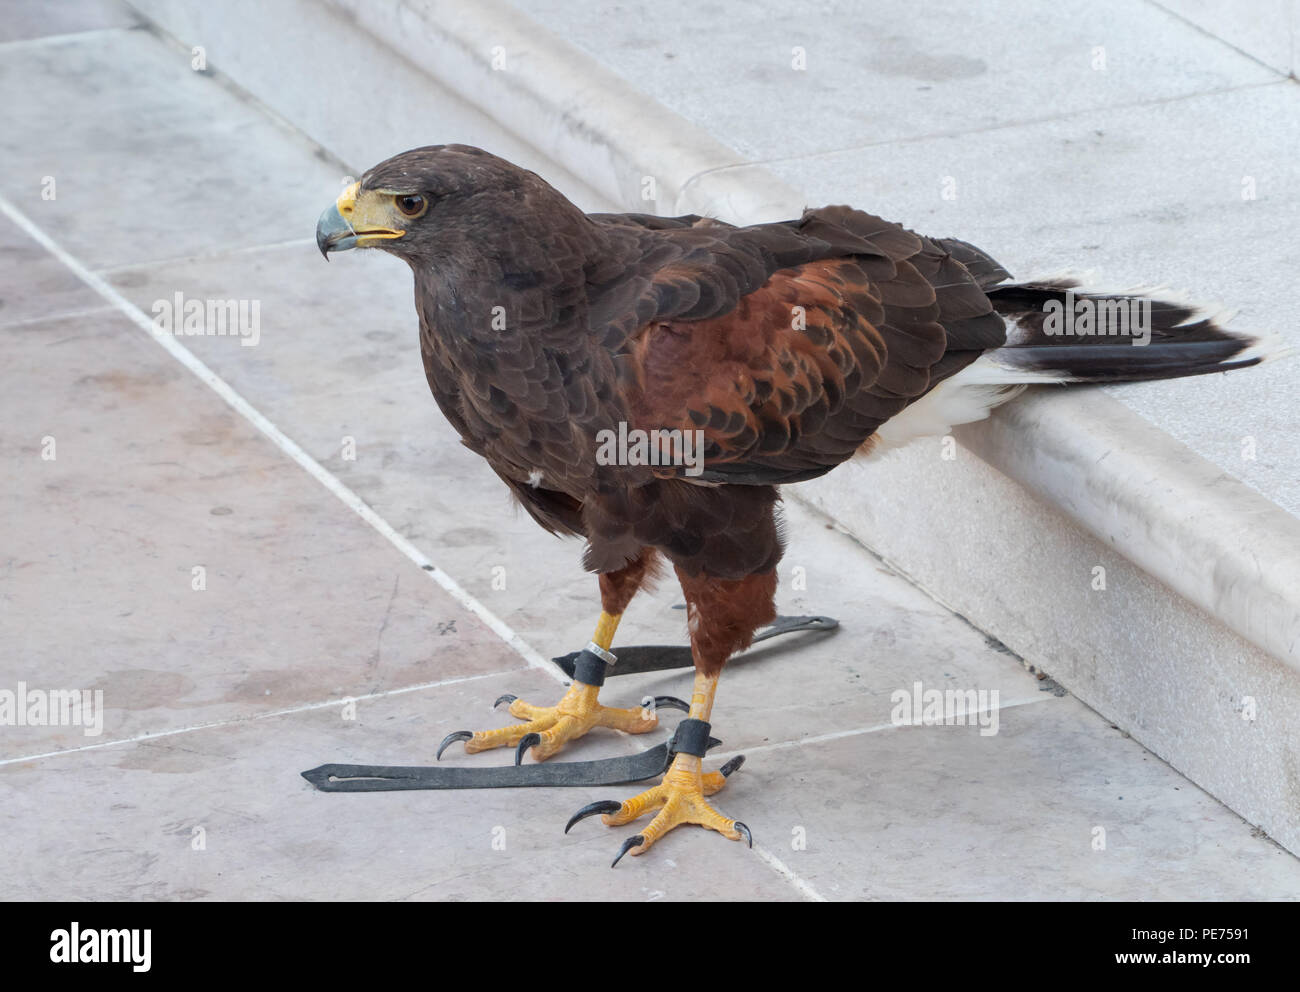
[628, 844]
[745, 830]
[529, 740]
[672, 703]
[711, 743]
[591, 809]
[455, 735]
[505, 697]
[732, 765]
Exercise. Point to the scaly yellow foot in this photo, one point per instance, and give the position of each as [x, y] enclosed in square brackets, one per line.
[679, 798]
[548, 728]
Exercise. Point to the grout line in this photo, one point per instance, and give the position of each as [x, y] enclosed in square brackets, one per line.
[281, 440]
[226, 82]
[781, 868]
[208, 256]
[54, 317]
[1187, 22]
[65, 36]
[288, 711]
[859, 731]
[806, 889]
[764, 163]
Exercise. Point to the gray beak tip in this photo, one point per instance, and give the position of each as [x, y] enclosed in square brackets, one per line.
[333, 232]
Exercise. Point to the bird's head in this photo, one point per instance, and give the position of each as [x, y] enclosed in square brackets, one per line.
[441, 203]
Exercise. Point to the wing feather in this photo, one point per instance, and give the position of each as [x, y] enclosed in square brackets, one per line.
[788, 371]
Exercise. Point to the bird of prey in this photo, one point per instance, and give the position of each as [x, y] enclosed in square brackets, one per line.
[646, 383]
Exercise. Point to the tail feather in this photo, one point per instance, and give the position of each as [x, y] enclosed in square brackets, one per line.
[1132, 336]
[1170, 338]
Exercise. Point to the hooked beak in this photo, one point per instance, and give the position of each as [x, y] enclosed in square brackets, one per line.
[345, 225]
[333, 233]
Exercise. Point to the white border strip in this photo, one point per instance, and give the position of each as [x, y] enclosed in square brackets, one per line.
[281, 440]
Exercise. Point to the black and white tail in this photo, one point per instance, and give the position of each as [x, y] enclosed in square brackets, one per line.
[1058, 333]
[1134, 336]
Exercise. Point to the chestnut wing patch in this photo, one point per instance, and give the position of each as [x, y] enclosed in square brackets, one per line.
[797, 376]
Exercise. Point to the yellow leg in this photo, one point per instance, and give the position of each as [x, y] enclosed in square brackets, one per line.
[679, 798]
[605, 629]
[571, 718]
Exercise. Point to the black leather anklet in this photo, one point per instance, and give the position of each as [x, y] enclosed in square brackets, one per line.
[692, 737]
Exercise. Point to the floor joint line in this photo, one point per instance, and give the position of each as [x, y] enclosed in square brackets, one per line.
[286, 444]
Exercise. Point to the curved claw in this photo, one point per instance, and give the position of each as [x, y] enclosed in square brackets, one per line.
[745, 831]
[529, 740]
[455, 735]
[505, 697]
[672, 703]
[732, 766]
[591, 809]
[631, 842]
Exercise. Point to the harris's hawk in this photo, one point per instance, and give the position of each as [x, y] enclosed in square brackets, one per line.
[740, 358]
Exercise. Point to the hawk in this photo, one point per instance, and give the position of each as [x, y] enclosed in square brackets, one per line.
[647, 383]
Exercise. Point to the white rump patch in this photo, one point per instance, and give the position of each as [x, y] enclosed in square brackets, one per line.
[964, 398]
[985, 384]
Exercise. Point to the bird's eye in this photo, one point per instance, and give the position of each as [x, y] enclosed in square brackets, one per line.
[411, 205]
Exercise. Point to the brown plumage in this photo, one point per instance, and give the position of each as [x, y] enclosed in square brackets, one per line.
[542, 326]
[788, 345]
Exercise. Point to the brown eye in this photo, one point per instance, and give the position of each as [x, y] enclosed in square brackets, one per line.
[411, 205]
